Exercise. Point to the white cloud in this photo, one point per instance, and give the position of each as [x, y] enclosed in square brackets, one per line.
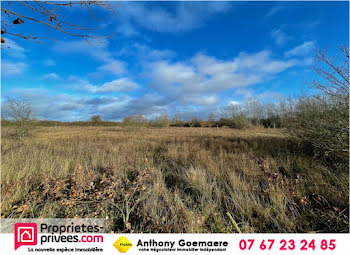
[233, 102]
[95, 49]
[146, 53]
[12, 68]
[114, 67]
[118, 85]
[200, 100]
[186, 16]
[50, 76]
[122, 85]
[270, 96]
[301, 50]
[127, 30]
[204, 76]
[279, 36]
[262, 63]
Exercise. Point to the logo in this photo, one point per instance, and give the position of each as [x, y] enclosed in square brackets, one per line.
[25, 234]
[122, 244]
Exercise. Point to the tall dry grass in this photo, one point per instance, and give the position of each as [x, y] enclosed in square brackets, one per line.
[173, 179]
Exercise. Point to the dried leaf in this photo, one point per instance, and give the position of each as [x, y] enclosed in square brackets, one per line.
[18, 21]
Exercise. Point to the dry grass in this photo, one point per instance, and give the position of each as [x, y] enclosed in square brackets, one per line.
[173, 180]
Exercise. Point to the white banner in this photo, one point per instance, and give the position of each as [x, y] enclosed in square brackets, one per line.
[174, 243]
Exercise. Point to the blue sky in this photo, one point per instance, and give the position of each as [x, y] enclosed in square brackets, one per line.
[168, 57]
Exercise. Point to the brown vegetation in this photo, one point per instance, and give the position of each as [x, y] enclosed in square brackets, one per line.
[174, 179]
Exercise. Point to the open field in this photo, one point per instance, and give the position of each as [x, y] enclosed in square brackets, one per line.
[173, 179]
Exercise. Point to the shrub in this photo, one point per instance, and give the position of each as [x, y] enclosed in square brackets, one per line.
[323, 120]
[96, 119]
[193, 123]
[161, 121]
[20, 115]
[239, 122]
[323, 123]
[135, 121]
[273, 121]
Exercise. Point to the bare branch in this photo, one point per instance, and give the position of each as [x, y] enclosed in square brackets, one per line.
[47, 13]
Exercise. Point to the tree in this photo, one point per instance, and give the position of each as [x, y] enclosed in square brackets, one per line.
[49, 14]
[323, 120]
[233, 111]
[19, 112]
[254, 110]
[177, 119]
[96, 119]
[160, 121]
[211, 119]
[335, 82]
[134, 122]
[272, 116]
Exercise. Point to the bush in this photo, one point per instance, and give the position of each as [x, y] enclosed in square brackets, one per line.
[135, 121]
[193, 123]
[96, 119]
[323, 120]
[20, 116]
[161, 121]
[239, 122]
[272, 122]
[324, 124]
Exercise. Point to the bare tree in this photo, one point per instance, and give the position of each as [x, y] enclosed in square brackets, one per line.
[335, 82]
[49, 14]
[177, 120]
[135, 122]
[233, 111]
[20, 113]
[323, 120]
[254, 110]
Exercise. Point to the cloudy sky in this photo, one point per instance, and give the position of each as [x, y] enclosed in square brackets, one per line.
[190, 57]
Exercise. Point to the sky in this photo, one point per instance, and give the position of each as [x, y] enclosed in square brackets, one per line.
[194, 58]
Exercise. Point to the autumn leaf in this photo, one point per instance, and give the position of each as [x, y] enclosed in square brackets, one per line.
[51, 18]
